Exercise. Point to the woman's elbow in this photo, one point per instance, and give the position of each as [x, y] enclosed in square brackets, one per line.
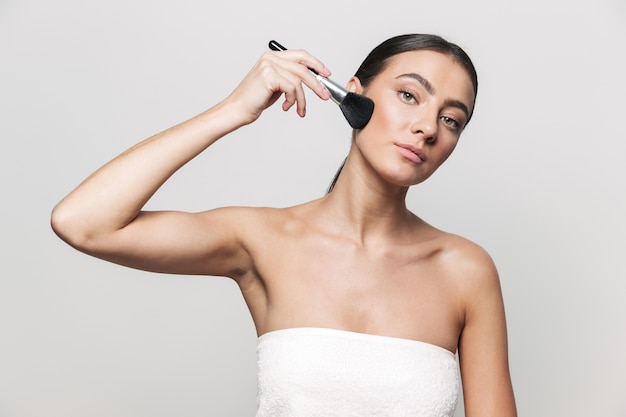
[67, 226]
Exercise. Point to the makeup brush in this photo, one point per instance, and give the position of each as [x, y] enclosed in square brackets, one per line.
[357, 109]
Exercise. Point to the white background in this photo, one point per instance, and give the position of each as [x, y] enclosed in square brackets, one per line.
[538, 179]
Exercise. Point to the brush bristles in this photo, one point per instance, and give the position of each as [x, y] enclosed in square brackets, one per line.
[357, 110]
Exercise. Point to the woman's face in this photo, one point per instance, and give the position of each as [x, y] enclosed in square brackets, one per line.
[422, 102]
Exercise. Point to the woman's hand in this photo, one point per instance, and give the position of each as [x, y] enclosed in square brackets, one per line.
[276, 74]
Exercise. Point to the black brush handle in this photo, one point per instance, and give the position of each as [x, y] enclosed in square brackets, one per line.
[275, 46]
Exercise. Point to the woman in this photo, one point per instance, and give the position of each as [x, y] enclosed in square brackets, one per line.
[360, 306]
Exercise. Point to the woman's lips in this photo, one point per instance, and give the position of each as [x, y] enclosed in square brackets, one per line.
[411, 152]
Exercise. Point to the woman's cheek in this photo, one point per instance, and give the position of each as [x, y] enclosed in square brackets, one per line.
[446, 150]
[390, 117]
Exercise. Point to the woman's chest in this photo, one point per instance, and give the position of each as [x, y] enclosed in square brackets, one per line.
[402, 290]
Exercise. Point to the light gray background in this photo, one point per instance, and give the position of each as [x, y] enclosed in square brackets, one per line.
[538, 180]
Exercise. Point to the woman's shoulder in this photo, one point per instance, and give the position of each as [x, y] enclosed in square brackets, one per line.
[464, 249]
[465, 259]
[251, 217]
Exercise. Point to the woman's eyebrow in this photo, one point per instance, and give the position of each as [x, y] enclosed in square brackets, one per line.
[431, 90]
[423, 81]
[459, 105]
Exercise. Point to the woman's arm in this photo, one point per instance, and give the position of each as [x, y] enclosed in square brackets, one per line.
[483, 349]
[103, 217]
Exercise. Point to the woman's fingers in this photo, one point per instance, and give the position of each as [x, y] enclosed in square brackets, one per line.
[291, 86]
[301, 63]
[276, 74]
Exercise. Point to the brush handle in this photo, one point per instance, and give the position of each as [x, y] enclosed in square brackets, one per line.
[275, 46]
[337, 92]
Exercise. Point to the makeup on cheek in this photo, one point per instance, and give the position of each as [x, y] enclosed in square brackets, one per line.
[357, 109]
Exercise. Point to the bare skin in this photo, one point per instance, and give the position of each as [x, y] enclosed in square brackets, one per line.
[356, 259]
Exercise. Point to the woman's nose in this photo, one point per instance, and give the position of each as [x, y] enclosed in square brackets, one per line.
[425, 125]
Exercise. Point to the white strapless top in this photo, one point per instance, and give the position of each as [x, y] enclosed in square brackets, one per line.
[318, 372]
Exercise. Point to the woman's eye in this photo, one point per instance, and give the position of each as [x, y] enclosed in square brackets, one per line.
[407, 96]
[450, 122]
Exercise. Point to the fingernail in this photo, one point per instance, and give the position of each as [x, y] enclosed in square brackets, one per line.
[326, 92]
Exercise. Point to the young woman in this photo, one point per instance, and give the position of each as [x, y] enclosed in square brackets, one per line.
[360, 306]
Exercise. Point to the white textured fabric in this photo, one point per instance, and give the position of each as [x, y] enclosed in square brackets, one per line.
[317, 372]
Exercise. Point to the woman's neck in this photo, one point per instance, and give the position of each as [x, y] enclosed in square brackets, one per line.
[367, 206]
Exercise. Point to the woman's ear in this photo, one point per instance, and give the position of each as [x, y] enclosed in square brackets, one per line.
[354, 85]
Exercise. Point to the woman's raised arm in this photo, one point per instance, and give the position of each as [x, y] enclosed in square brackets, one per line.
[103, 216]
